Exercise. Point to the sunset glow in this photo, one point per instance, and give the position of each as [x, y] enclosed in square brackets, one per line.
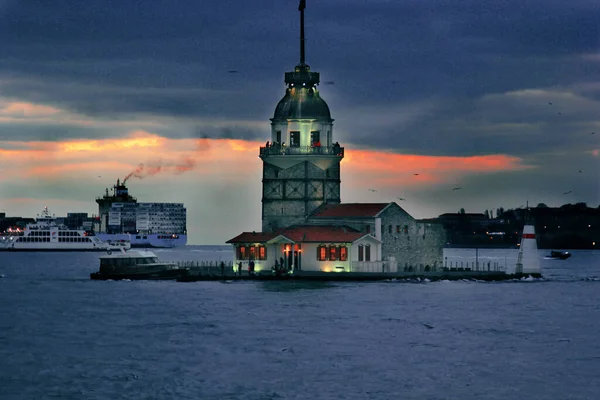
[146, 154]
[382, 168]
[22, 109]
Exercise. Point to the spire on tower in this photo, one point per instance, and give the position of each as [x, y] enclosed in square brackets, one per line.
[302, 76]
[301, 8]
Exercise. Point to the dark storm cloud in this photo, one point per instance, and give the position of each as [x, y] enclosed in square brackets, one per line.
[429, 62]
[52, 133]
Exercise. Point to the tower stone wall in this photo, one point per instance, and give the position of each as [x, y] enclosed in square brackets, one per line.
[291, 194]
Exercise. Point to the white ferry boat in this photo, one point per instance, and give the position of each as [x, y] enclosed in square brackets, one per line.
[47, 235]
[120, 216]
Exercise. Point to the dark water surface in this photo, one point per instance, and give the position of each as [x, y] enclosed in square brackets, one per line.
[63, 336]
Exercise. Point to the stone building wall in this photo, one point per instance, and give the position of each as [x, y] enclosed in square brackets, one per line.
[410, 242]
[291, 194]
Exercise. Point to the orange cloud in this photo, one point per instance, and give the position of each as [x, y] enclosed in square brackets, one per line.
[138, 155]
[386, 168]
[21, 109]
[142, 154]
[140, 139]
[74, 169]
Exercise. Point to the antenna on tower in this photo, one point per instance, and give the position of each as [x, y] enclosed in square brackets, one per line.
[301, 8]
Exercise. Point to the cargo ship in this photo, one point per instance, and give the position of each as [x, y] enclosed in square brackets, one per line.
[121, 216]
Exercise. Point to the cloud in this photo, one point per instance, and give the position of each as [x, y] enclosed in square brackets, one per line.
[416, 77]
[440, 82]
[140, 154]
[26, 110]
[373, 168]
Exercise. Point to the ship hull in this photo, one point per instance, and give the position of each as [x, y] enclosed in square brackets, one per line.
[48, 249]
[171, 274]
[144, 241]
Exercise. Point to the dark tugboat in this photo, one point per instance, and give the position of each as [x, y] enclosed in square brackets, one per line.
[135, 265]
[561, 255]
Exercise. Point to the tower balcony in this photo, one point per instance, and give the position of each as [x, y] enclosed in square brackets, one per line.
[285, 156]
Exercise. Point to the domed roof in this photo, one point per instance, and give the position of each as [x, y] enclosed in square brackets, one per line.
[302, 102]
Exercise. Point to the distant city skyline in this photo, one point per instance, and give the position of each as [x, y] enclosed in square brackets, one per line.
[499, 100]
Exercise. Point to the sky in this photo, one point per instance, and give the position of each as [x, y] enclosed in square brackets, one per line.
[498, 98]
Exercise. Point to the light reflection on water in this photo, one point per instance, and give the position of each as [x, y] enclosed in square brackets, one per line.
[65, 336]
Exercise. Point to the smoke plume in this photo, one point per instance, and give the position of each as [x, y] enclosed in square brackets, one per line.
[187, 163]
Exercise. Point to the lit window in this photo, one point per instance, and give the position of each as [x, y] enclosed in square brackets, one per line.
[343, 251]
[241, 255]
[262, 253]
[321, 253]
[332, 253]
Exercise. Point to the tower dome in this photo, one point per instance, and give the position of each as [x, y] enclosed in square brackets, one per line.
[302, 102]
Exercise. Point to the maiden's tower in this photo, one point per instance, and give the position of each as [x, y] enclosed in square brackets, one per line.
[301, 162]
[305, 227]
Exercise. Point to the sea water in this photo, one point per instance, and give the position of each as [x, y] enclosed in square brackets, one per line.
[64, 336]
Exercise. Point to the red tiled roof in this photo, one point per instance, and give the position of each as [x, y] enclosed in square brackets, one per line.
[303, 234]
[252, 237]
[331, 234]
[350, 210]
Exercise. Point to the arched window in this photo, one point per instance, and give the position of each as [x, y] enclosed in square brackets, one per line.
[322, 253]
[242, 253]
[368, 252]
[332, 253]
[343, 252]
[361, 252]
[262, 253]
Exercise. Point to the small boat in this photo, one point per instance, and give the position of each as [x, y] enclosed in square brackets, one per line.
[562, 255]
[135, 265]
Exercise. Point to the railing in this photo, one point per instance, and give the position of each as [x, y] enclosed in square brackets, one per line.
[206, 267]
[370, 266]
[276, 150]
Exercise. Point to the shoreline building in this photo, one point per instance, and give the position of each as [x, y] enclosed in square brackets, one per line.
[305, 226]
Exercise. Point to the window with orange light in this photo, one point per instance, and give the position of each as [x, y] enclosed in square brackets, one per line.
[332, 253]
[322, 253]
[252, 253]
[343, 253]
[241, 253]
[262, 253]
